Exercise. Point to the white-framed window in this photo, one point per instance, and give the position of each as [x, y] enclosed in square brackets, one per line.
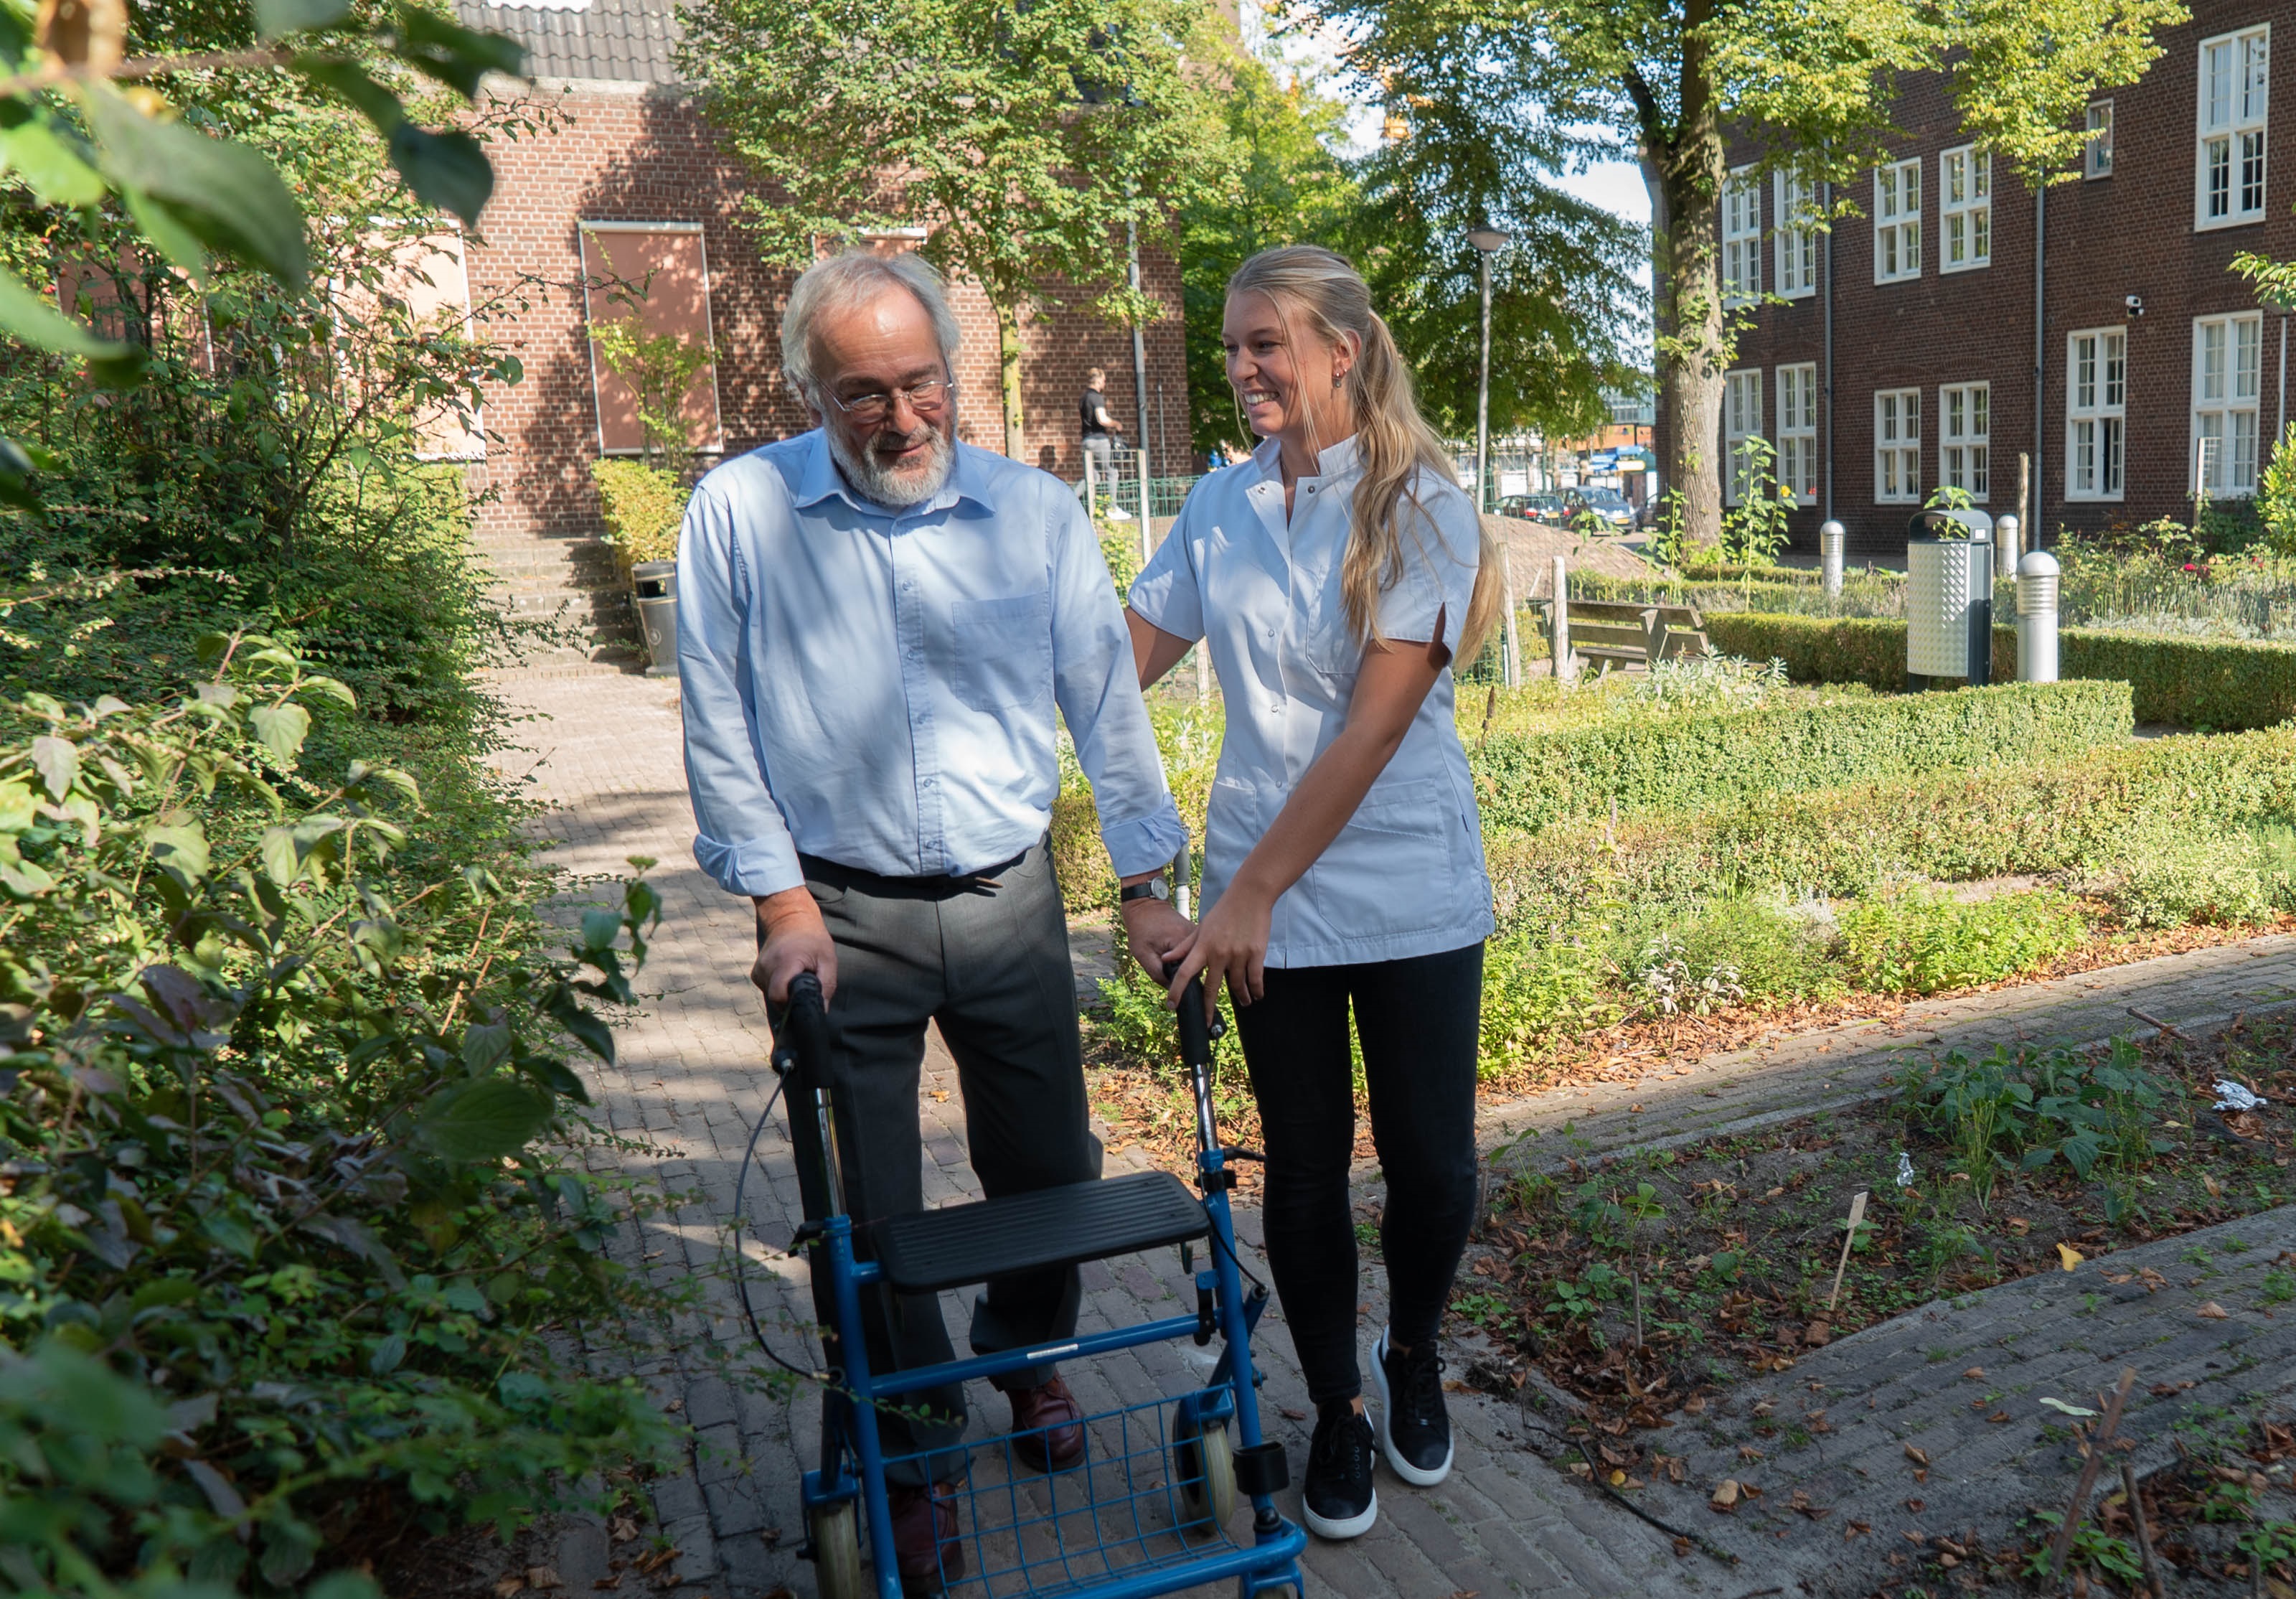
[1965, 438]
[1898, 221]
[1741, 419]
[1798, 432]
[2096, 409]
[1796, 200]
[2097, 155]
[1965, 209]
[2236, 75]
[2225, 352]
[1741, 237]
[1897, 445]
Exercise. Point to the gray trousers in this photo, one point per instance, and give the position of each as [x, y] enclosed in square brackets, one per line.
[1102, 449]
[988, 958]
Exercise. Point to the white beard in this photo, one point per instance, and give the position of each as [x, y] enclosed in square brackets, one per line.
[894, 489]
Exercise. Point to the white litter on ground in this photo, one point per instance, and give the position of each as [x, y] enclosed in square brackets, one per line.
[2236, 1096]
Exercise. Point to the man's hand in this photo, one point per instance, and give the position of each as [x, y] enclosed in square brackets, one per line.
[1155, 931]
[795, 941]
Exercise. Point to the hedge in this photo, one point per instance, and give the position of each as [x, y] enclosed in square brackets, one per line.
[2224, 683]
[1533, 781]
[1731, 572]
[2067, 817]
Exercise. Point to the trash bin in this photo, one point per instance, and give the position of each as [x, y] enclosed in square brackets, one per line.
[657, 604]
[1950, 598]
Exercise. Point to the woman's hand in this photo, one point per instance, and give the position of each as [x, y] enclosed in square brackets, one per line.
[1230, 945]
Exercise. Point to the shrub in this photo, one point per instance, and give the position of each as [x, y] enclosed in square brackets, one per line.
[642, 506]
[1919, 940]
[2167, 873]
[1691, 762]
[290, 1233]
[1719, 571]
[1130, 1018]
[1539, 989]
[1779, 958]
[2224, 683]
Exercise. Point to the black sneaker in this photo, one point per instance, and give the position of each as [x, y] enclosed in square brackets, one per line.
[1338, 1496]
[1414, 1428]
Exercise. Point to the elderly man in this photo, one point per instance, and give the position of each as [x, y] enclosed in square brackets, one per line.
[876, 622]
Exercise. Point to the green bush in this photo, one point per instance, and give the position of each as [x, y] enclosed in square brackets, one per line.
[1538, 990]
[1719, 571]
[1919, 940]
[288, 1212]
[2068, 819]
[2224, 683]
[1779, 958]
[1529, 782]
[1131, 1020]
[2168, 874]
[642, 506]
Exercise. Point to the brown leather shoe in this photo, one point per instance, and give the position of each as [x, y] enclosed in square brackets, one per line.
[1051, 1423]
[925, 1542]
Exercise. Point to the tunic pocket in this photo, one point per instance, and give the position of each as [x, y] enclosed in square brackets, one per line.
[1003, 651]
[1392, 868]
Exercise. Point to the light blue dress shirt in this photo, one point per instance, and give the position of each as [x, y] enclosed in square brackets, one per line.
[876, 688]
[1405, 875]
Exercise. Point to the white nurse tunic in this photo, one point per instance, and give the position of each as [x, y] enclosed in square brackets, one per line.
[1405, 875]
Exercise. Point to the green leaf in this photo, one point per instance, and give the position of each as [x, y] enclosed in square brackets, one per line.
[182, 847]
[57, 761]
[230, 1233]
[282, 728]
[449, 169]
[273, 18]
[593, 1034]
[485, 1045]
[55, 167]
[387, 1355]
[17, 807]
[452, 54]
[226, 193]
[174, 238]
[599, 929]
[489, 1119]
[283, 863]
[32, 319]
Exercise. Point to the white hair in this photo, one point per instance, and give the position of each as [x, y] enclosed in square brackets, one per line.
[855, 278]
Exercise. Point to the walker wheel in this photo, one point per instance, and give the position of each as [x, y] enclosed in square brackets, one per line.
[1203, 1471]
[837, 1553]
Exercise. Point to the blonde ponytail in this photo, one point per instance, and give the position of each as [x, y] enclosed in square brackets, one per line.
[1393, 441]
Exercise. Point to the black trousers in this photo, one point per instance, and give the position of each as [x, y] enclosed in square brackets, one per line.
[987, 957]
[1418, 1020]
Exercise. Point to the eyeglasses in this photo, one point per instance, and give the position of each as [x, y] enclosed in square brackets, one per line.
[927, 399]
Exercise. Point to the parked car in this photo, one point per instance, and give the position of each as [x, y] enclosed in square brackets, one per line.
[1606, 506]
[1534, 507]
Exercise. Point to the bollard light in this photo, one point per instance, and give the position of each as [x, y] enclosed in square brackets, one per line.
[2037, 617]
[1831, 537]
[2008, 545]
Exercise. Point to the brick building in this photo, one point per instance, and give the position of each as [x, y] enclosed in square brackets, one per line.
[624, 179]
[1962, 320]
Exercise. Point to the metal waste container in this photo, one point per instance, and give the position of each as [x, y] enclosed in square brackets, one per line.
[657, 604]
[1950, 598]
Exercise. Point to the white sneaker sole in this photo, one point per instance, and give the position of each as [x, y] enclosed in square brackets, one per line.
[1338, 1531]
[1414, 1475]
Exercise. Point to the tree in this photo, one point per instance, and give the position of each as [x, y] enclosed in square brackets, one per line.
[89, 127]
[1023, 137]
[1815, 81]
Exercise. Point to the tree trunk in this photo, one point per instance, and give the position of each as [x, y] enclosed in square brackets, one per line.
[1683, 173]
[1008, 352]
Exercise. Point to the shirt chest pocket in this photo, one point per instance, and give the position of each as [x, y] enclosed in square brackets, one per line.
[1002, 650]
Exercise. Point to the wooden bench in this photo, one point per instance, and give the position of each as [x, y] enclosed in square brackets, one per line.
[1616, 632]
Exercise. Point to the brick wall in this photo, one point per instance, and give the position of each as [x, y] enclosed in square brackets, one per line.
[2105, 239]
[637, 153]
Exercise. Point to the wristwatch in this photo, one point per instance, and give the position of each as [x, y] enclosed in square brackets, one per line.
[1155, 888]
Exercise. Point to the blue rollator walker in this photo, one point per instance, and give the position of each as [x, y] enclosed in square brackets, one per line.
[1146, 1510]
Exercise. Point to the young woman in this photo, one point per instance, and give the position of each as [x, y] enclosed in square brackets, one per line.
[1334, 577]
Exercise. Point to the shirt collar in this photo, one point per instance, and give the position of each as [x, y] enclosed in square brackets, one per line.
[1336, 460]
[820, 479]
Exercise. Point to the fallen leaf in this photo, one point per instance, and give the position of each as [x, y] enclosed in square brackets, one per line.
[605, 1584]
[621, 1530]
[1580, 1468]
[1725, 1496]
[1916, 1455]
[2019, 1226]
[1750, 1490]
[1291, 1414]
[509, 1586]
[1819, 1335]
[1997, 1417]
[1681, 1544]
[1921, 1476]
[674, 1407]
[1617, 1477]
[1451, 1385]
[543, 1577]
[773, 1536]
[2215, 1188]
[1975, 1374]
[1747, 1452]
[2070, 1256]
[1915, 1505]
[2212, 1311]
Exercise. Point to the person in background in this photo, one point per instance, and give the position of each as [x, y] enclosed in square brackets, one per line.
[1099, 431]
[876, 624]
[1335, 579]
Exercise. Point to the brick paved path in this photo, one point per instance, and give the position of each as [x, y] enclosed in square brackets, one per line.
[692, 1077]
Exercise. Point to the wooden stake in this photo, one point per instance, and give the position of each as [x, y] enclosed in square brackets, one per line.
[2024, 493]
[2143, 1532]
[1857, 1216]
[2099, 1442]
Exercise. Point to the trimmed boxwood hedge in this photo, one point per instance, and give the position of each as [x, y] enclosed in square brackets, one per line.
[2223, 684]
[1531, 781]
[2069, 816]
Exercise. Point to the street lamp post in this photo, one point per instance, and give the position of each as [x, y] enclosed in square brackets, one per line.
[1488, 241]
